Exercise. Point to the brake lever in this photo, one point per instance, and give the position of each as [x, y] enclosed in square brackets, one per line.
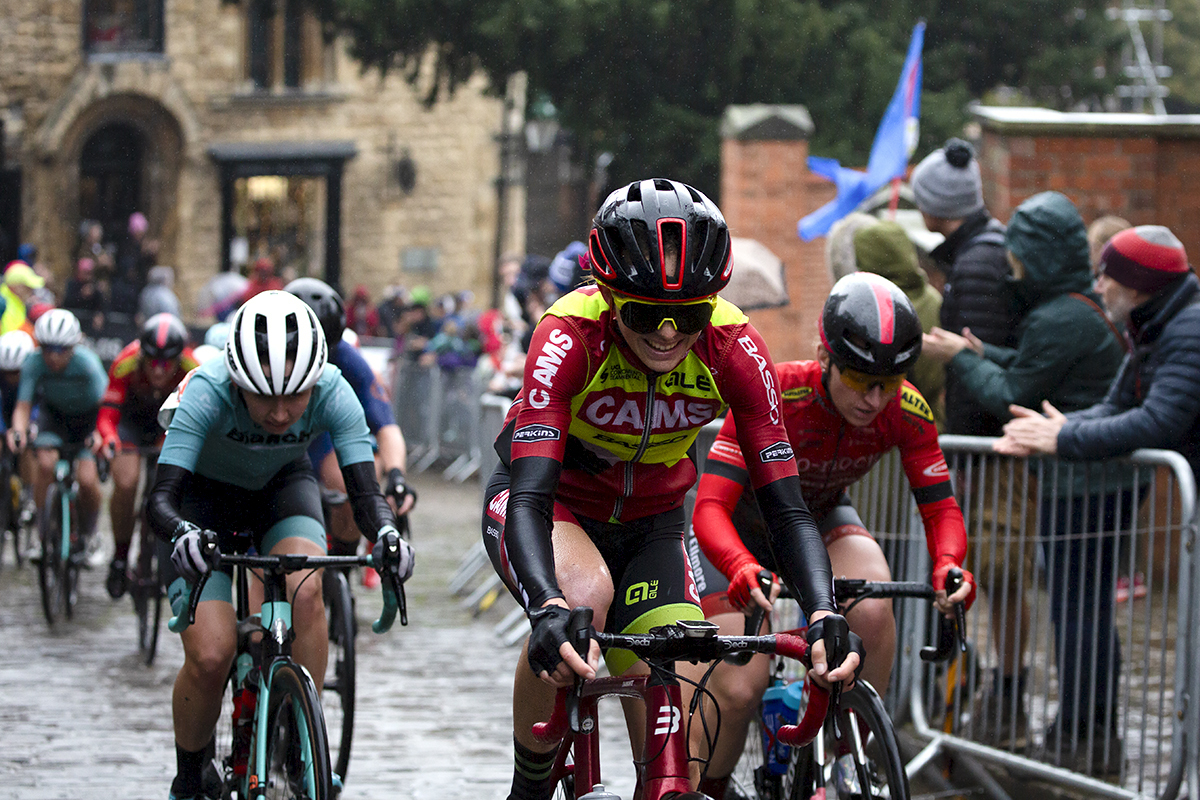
[754, 621]
[579, 631]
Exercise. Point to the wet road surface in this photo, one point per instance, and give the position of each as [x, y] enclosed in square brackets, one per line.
[82, 717]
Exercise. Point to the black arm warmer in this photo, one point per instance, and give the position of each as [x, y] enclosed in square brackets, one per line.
[162, 509]
[528, 526]
[796, 544]
[371, 511]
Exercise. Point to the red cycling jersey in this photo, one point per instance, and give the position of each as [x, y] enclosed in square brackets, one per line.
[596, 431]
[831, 455]
[131, 397]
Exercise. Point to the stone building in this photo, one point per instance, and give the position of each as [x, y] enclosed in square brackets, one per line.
[239, 131]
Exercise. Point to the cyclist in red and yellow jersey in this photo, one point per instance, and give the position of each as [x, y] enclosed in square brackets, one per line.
[586, 505]
[139, 379]
[842, 413]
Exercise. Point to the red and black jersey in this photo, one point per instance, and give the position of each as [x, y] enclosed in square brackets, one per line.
[130, 396]
[830, 455]
[599, 433]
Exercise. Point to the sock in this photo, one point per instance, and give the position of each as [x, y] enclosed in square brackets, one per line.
[714, 787]
[532, 773]
[188, 766]
[120, 551]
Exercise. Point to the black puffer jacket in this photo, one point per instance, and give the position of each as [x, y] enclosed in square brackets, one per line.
[1155, 399]
[977, 295]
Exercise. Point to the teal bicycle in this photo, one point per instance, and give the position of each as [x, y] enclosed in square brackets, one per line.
[271, 742]
[64, 550]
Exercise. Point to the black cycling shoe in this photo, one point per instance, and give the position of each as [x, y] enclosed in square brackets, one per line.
[118, 580]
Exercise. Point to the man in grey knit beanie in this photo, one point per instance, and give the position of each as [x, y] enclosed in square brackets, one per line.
[947, 183]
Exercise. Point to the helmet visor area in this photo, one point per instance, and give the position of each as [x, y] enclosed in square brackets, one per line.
[863, 383]
[647, 318]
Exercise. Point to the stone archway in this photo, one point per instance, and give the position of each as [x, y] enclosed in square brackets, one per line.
[75, 168]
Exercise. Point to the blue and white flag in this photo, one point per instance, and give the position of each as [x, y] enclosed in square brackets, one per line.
[895, 141]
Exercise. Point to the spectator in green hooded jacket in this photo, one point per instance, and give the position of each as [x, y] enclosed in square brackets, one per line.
[1067, 353]
[885, 249]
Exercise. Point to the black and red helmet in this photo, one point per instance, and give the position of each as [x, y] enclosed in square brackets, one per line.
[869, 325]
[163, 336]
[642, 226]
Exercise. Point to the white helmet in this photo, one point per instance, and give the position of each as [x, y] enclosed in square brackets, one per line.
[269, 330]
[57, 328]
[15, 347]
[201, 352]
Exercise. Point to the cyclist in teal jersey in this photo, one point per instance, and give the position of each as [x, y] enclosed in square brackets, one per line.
[67, 381]
[234, 462]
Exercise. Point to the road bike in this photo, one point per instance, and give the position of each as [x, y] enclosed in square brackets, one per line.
[858, 748]
[144, 580]
[64, 549]
[271, 741]
[340, 672]
[663, 767]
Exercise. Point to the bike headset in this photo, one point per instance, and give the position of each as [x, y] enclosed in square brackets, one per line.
[325, 302]
[661, 246]
[57, 328]
[15, 347]
[269, 330]
[870, 329]
[163, 336]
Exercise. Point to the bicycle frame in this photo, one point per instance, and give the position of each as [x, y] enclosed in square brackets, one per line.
[663, 769]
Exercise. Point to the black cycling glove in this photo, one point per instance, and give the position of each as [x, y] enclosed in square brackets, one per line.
[549, 632]
[397, 488]
[840, 641]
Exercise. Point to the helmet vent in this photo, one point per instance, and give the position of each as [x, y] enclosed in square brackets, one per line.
[672, 247]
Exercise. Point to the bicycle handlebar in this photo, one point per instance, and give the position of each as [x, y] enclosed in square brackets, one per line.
[394, 600]
[689, 641]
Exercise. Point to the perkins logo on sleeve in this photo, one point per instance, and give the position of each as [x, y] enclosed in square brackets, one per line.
[780, 451]
[536, 433]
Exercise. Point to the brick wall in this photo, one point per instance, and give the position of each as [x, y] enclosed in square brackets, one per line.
[765, 189]
[1139, 167]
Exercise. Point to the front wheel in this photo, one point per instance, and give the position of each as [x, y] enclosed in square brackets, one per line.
[338, 698]
[146, 590]
[55, 574]
[867, 755]
[293, 746]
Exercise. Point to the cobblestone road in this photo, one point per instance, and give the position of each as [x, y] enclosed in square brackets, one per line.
[81, 718]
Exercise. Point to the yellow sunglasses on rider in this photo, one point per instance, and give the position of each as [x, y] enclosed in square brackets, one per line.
[645, 318]
[863, 383]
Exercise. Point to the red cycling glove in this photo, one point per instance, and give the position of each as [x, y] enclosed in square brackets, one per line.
[745, 579]
[945, 564]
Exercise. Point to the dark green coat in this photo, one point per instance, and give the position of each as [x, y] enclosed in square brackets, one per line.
[1067, 352]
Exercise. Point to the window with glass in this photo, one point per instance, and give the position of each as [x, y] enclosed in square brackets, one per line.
[123, 26]
[283, 44]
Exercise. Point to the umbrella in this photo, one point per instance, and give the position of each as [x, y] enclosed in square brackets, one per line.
[757, 280]
[220, 293]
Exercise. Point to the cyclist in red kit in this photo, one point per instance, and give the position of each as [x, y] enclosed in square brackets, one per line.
[842, 413]
[586, 505]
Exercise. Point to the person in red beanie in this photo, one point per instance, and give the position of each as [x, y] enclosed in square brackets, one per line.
[1148, 286]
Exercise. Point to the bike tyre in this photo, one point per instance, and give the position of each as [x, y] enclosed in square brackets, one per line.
[295, 731]
[884, 762]
[750, 777]
[52, 577]
[147, 593]
[7, 514]
[340, 686]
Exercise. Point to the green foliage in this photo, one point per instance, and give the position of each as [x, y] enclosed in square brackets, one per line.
[649, 79]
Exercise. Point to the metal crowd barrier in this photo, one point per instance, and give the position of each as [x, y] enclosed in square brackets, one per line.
[438, 410]
[1048, 542]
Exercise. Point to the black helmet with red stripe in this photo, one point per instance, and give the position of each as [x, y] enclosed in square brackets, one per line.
[869, 325]
[660, 240]
[163, 336]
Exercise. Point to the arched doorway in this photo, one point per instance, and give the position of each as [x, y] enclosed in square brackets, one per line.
[110, 177]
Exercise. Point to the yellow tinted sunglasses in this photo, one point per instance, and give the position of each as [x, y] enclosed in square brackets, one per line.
[646, 318]
[863, 383]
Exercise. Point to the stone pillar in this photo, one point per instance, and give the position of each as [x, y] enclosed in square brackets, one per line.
[765, 189]
[1142, 167]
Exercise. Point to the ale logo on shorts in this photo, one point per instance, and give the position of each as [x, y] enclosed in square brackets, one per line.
[536, 433]
[641, 592]
[780, 451]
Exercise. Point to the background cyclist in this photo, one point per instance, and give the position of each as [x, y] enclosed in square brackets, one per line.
[67, 381]
[586, 505]
[15, 347]
[390, 453]
[842, 413]
[234, 461]
[139, 380]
